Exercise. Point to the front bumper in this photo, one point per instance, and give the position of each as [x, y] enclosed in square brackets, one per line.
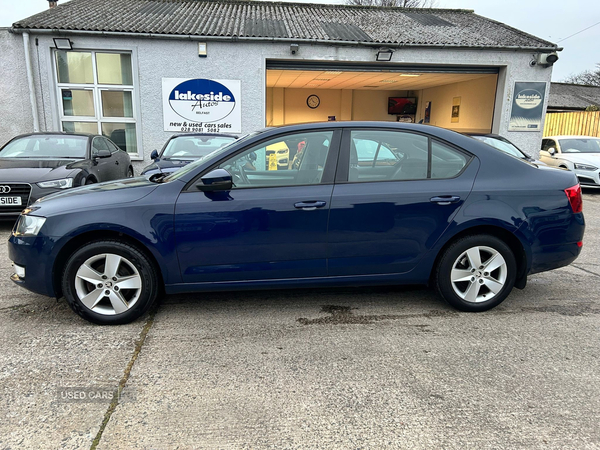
[588, 178]
[35, 255]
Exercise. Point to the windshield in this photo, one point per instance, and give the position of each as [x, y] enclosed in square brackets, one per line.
[213, 155]
[579, 145]
[46, 146]
[193, 147]
[502, 145]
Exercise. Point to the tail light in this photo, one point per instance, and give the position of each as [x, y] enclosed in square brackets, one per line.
[574, 196]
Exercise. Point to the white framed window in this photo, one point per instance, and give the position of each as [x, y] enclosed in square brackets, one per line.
[96, 94]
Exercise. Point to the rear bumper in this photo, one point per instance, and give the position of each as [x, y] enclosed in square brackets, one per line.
[554, 256]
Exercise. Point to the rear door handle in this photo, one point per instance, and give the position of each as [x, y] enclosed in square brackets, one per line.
[117, 163]
[445, 199]
[310, 205]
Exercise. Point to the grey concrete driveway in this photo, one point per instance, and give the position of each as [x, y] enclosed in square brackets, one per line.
[346, 368]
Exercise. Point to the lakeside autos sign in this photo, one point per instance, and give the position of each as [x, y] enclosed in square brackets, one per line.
[202, 106]
[527, 106]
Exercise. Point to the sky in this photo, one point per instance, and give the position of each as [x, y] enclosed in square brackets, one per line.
[552, 20]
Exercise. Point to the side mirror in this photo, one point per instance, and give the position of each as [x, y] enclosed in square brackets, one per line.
[154, 154]
[552, 151]
[102, 154]
[216, 180]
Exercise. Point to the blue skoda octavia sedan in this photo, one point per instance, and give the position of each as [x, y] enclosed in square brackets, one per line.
[359, 203]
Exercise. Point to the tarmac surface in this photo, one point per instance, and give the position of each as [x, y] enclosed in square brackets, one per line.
[368, 368]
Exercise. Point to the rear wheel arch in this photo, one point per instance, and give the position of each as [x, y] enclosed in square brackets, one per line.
[506, 236]
[98, 235]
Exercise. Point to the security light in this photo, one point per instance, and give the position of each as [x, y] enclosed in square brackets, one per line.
[294, 48]
[546, 59]
[384, 54]
[63, 43]
[202, 49]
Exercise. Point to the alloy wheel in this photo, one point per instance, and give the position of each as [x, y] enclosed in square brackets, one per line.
[108, 284]
[478, 274]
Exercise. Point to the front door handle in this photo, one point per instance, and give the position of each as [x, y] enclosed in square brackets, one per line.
[310, 205]
[445, 199]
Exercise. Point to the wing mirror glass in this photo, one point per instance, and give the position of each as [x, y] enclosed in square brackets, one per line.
[102, 154]
[154, 154]
[552, 151]
[215, 180]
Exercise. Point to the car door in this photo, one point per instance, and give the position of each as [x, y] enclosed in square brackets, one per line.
[272, 224]
[104, 168]
[545, 155]
[122, 159]
[385, 223]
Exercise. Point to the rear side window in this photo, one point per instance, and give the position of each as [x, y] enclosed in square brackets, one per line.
[445, 161]
[378, 155]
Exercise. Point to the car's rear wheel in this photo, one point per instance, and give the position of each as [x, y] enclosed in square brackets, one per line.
[476, 273]
[109, 282]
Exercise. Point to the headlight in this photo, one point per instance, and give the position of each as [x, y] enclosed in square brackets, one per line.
[585, 167]
[28, 225]
[57, 184]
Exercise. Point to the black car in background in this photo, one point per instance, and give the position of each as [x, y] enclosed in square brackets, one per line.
[182, 149]
[503, 144]
[37, 164]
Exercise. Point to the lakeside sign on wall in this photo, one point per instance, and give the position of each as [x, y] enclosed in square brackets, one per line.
[202, 106]
[527, 106]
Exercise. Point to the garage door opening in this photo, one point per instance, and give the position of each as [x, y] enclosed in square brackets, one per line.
[458, 101]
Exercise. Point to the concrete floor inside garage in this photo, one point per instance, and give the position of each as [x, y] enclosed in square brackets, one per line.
[339, 368]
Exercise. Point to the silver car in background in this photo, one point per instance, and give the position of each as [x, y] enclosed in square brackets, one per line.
[580, 154]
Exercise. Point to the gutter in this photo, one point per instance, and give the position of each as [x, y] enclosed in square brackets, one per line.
[32, 97]
[272, 40]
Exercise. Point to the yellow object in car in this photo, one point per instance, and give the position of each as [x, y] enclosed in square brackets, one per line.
[281, 151]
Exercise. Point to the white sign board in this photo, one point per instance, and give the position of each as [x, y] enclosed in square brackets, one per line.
[202, 106]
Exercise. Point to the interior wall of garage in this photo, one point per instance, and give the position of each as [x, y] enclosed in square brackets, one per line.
[477, 98]
[288, 105]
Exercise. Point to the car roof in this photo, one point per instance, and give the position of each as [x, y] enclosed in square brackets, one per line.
[204, 134]
[570, 136]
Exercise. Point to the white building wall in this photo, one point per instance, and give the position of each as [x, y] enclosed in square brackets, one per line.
[246, 61]
[15, 107]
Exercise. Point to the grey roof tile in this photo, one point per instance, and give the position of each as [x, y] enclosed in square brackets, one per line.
[573, 96]
[301, 21]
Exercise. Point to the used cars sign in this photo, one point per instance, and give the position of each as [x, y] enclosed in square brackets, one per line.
[201, 105]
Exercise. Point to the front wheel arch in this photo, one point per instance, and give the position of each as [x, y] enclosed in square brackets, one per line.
[80, 240]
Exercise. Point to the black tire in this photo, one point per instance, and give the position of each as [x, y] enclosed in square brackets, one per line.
[446, 288]
[144, 297]
[89, 181]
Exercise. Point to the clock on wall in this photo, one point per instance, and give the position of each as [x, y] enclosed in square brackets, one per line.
[313, 101]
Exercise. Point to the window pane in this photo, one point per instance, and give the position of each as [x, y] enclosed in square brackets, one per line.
[297, 159]
[80, 127]
[78, 102]
[117, 104]
[74, 67]
[445, 161]
[122, 134]
[387, 155]
[114, 68]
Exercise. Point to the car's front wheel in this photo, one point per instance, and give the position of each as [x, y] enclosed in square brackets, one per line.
[109, 282]
[476, 273]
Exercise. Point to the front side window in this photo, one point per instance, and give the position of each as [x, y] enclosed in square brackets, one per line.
[96, 95]
[377, 155]
[291, 160]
